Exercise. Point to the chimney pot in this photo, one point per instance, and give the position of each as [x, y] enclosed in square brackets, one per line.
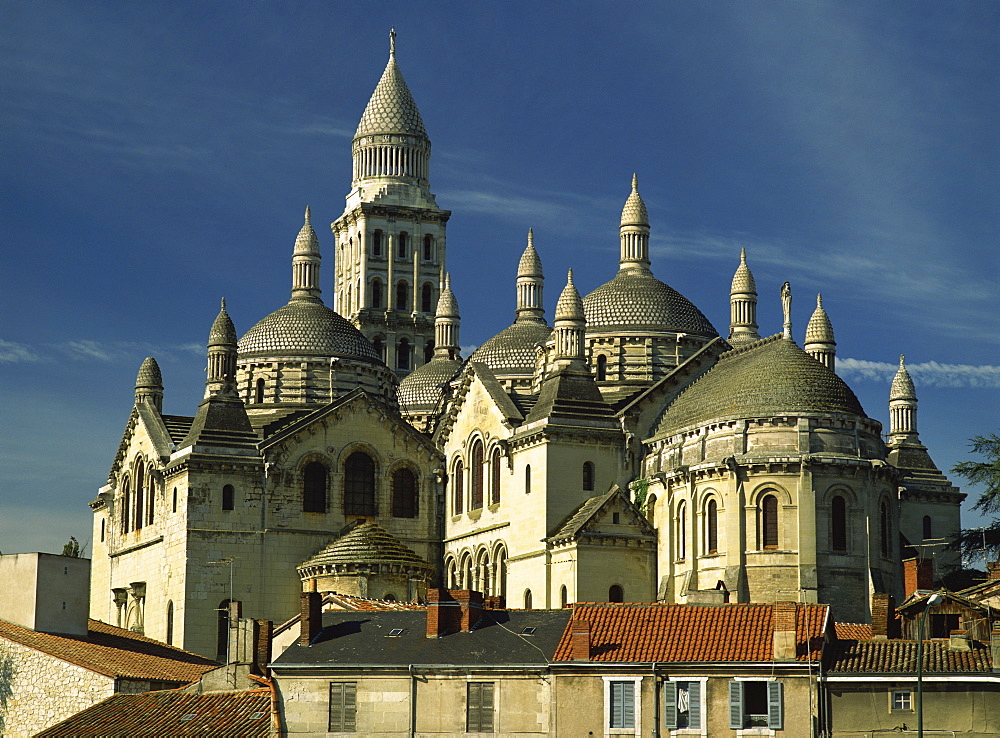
[918, 575]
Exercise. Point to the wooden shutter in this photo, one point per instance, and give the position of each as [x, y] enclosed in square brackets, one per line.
[486, 708]
[694, 705]
[343, 706]
[670, 704]
[774, 705]
[735, 705]
[479, 711]
[770, 522]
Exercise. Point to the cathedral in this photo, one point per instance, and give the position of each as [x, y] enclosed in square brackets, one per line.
[624, 451]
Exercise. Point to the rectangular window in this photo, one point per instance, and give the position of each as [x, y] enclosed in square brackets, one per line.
[902, 700]
[755, 704]
[682, 705]
[343, 706]
[479, 708]
[622, 702]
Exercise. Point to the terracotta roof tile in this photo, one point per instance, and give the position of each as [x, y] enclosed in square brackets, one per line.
[114, 652]
[221, 715]
[900, 657]
[854, 631]
[678, 633]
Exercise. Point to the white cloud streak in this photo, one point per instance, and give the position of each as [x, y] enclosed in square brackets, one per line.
[16, 353]
[929, 373]
[89, 351]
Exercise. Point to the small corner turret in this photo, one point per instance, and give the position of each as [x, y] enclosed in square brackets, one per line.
[743, 305]
[634, 233]
[149, 384]
[819, 342]
[530, 282]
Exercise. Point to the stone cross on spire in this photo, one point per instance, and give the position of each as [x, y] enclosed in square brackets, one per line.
[392, 42]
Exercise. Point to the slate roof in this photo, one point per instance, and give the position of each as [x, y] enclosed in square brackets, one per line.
[177, 426]
[900, 657]
[639, 301]
[114, 652]
[769, 377]
[363, 638]
[668, 633]
[221, 715]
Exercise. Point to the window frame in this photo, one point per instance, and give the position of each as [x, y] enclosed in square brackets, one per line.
[356, 494]
[908, 694]
[405, 499]
[635, 685]
[589, 476]
[712, 526]
[477, 483]
[346, 718]
[480, 717]
[697, 691]
[228, 497]
[770, 523]
[838, 524]
[315, 500]
[775, 704]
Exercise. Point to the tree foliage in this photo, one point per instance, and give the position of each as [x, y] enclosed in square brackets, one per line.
[72, 548]
[987, 473]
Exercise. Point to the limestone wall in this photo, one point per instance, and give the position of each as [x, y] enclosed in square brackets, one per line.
[38, 691]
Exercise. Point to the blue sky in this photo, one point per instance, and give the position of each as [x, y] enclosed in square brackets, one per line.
[156, 157]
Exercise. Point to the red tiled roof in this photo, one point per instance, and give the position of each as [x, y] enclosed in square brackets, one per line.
[221, 715]
[114, 652]
[900, 657]
[676, 633]
[854, 631]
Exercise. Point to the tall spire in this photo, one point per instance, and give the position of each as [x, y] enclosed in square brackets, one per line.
[569, 323]
[743, 305]
[786, 310]
[902, 406]
[819, 341]
[530, 281]
[305, 263]
[634, 232]
[221, 372]
[446, 322]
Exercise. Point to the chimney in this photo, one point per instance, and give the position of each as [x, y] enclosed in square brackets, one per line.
[784, 631]
[579, 643]
[885, 624]
[995, 647]
[993, 570]
[262, 646]
[495, 602]
[311, 620]
[917, 575]
[452, 610]
[471, 603]
[958, 640]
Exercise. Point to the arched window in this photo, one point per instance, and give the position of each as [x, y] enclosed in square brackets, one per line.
[377, 243]
[884, 529]
[376, 293]
[222, 633]
[173, 507]
[426, 295]
[769, 521]
[927, 527]
[139, 492]
[228, 497]
[495, 476]
[838, 523]
[126, 494]
[458, 487]
[527, 479]
[428, 247]
[602, 367]
[315, 477]
[712, 527]
[170, 623]
[588, 476]
[389, 597]
[103, 521]
[616, 594]
[682, 530]
[651, 509]
[404, 494]
[151, 506]
[467, 573]
[500, 567]
[403, 354]
[476, 468]
[428, 351]
[402, 241]
[259, 393]
[527, 599]
[402, 296]
[379, 347]
[359, 484]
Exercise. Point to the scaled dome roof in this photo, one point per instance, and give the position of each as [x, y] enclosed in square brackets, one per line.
[639, 301]
[766, 378]
[513, 348]
[368, 543]
[421, 388]
[391, 108]
[306, 328]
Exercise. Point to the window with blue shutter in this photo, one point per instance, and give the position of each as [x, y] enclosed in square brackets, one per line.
[774, 705]
[694, 705]
[670, 705]
[756, 704]
[735, 705]
[622, 705]
[343, 707]
[682, 705]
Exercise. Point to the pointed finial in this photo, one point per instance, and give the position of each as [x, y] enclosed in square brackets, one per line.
[531, 237]
[223, 304]
[447, 281]
[902, 361]
[392, 43]
[819, 299]
[635, 182]
[743, 255]
[569, 277]
[308, 213]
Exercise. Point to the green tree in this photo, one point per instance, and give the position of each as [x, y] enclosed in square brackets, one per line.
[72, 548]
[972, 541]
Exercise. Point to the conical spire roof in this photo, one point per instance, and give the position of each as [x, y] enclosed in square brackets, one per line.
[819, 328]
[306, 242]
[634, 212]
[391, 108]
[902, 386]
[368, 544]
[743, 279]
[530, 265]
[569, 306]
[149, 376]
[223, 331]
[447, 306]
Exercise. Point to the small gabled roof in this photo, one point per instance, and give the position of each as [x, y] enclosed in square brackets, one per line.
[114, 652]
[918, 601]
[900, 657]
[592, 510]
[220, 714]
[669, 633]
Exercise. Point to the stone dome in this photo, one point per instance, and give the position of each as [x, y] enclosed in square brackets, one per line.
[149, 374]
[766, 378]
[306, 328]
[902, 385]
[634, 212]
[819, 329]
[743, 282]
[420, 390]
[223, 331]
[639, 301]
[368, 544]
[391, 108]
[569, 306]
[512, 350]
[530, 265]
[306, 242]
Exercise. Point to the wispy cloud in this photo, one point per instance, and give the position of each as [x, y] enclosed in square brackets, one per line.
[105, 352]
[929, 373]
[16, 353]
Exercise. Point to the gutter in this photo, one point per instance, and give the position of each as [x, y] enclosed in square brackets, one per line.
[275, 714]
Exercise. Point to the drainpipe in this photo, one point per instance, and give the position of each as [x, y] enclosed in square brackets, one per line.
[656, 704]
[413, 701]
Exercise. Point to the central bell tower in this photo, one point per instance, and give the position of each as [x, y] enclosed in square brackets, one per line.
[390, 241]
